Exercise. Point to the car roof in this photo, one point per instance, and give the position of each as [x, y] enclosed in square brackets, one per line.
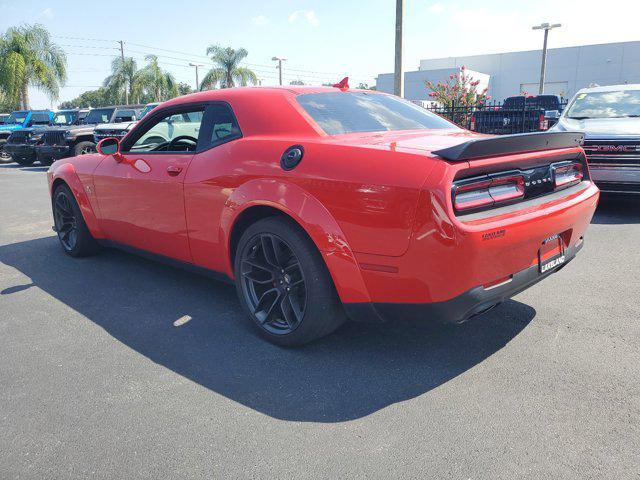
[611, 88]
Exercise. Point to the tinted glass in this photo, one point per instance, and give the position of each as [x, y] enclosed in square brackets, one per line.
[40, 118]
[64, 118]
[621, 103]
[224, 124]
[159, 136]
[17, 117]
[99, 115]
[347, 112]
[147, 109]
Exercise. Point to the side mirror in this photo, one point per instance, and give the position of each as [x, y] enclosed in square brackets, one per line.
[110, 146]
[552, 114]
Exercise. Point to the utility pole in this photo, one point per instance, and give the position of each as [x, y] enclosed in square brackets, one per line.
[126, 86]
[546, 27]
[279, 66]
[197, 65]
[398, 73]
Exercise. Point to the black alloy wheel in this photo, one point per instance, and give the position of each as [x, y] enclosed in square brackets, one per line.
[65, 221]
[273, 283]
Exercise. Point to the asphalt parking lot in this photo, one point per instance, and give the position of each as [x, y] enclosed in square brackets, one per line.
[117, 367]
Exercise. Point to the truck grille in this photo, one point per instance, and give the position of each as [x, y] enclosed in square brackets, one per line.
[101, 134]
[613, 153]
[18, 137]
[53, 138]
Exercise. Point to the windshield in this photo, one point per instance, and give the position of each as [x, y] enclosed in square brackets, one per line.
[617, 104]
[99, 115]
[17, 117]
[347, 112]
[64, 118]
[146, 110]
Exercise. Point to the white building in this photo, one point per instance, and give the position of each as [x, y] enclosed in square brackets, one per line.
[568, 70]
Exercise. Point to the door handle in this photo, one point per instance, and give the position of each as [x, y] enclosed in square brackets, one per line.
[174, 170]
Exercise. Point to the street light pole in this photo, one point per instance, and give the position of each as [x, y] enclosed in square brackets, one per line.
[398, 74]
[196, 65]
[279, 66]
[546, 27]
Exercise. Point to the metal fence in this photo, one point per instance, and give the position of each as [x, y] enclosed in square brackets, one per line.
[499, 119]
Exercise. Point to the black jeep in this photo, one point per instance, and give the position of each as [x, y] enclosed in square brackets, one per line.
[69, 141]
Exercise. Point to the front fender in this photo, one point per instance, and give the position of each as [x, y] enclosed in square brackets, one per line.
[67, 173]
[314, 219]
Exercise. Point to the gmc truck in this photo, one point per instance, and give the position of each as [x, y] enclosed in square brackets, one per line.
[70, 141]
[609, 117]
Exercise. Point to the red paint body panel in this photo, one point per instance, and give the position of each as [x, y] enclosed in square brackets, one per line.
[379, 199]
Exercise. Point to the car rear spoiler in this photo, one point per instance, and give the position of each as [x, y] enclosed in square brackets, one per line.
[508, 144]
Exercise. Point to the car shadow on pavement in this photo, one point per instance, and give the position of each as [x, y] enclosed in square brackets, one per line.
[616, 209]
[195, 327]
[30, 168]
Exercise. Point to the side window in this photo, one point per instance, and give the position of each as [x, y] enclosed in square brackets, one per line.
[40, 119]
[125, 116]
[223, 124]
[175, 132]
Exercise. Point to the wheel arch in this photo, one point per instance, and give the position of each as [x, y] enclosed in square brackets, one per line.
[262, 198]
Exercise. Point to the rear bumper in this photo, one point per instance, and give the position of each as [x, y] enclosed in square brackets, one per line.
[20, 150]
[461, 308]
[612, 179]
[52, 152]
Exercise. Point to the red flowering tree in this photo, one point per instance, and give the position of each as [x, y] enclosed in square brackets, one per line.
[460, 90]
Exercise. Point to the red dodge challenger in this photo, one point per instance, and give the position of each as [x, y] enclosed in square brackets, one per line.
[323, 204]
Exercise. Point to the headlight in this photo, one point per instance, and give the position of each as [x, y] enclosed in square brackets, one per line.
[68, 134]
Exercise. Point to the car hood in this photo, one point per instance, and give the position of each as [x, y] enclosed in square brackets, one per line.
[601, 127]
[116, 126]
[10, 128]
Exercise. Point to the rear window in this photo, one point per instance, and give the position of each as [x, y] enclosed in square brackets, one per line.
[348, 112]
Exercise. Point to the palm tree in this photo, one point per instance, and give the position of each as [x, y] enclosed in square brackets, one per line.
[121, 80]
[154, 82]
[28, 57]
[227, 73]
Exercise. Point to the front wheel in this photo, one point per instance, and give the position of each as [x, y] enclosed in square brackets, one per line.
[84, 148]
[4, 155]
[74, 236]
[283, 284]
[25, 161]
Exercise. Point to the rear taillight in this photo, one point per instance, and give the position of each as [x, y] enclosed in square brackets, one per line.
[487, 191]
[543, 123]
[472, 126]
[565, 175]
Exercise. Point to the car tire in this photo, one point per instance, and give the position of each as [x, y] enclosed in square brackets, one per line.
[289, 296]
[25, 162]
[84, 148]
[4, 156]
[73, 233]
[47, 162]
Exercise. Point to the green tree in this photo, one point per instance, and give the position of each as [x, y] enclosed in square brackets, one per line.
[101, 97]
[153, 83]
[296, 82]
[28, 57]
[184, 88]
[121, 80]
[227, 71]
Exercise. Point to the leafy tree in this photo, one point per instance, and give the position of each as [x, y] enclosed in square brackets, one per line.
[184, 88]
[296, 82]
[121, 80]
[459, 90]
[28, 57]
[365, 86]
[6, 105]
[154, 84]
[227, 71]
[101, 97]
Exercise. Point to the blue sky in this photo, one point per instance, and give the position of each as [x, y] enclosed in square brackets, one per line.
[323, 40]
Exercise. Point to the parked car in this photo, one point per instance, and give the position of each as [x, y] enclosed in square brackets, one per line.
[323, 204]
[18, 120]
[3, 118]
[119, 129]
[610, 119]
[70, 141]
[518, 114]
[21, 144]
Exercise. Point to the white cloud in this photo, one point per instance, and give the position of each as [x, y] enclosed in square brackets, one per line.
[309, 15]
[260, 20]
[47, 12]
[436, 8]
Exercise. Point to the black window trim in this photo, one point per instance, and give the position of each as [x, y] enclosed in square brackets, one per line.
[206, 127]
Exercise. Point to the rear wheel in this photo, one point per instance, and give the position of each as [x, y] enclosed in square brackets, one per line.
[74, 236]
[284, 285]
[83, 148]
